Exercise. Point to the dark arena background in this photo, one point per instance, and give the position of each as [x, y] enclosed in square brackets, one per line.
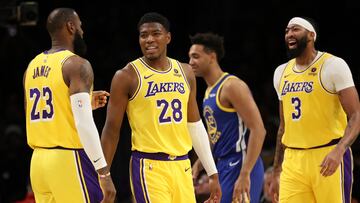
[254, 43]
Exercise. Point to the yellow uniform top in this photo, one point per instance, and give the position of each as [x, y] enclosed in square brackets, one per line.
[157, 112]
[313, 116]
[49, 118]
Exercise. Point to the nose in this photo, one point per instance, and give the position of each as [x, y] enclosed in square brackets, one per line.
[149, 39]
[289, 33]
[191, 61]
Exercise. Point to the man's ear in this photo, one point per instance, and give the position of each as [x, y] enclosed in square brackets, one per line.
[168, 36]
[70, 26]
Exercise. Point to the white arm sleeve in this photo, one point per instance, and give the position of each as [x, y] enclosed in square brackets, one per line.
[201, 146]
[277, 77]
[336, 75]
[86, 128]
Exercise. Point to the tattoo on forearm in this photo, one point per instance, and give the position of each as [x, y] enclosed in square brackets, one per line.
[350, 133]
[279, 151]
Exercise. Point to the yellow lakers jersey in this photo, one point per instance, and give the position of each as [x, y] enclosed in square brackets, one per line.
[157, 112]
[49, 118]
[313, 116]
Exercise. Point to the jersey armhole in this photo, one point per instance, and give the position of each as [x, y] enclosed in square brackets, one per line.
[184, 75]
[62, 65]
[218, 92]
[139, 79]
[321, 83]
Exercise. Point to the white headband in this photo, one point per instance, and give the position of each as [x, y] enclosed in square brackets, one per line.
[303, 23]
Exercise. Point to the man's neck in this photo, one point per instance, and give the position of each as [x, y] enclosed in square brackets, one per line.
[57, 45]
[213, 75]
[161, 64]
[306, 58]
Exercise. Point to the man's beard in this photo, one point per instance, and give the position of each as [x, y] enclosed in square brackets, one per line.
[301, 46]
[79, 45]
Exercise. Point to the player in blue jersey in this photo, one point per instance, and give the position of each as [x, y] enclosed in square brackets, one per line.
[233, 121]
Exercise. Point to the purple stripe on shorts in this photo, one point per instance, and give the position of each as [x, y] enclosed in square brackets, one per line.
[158, 156]
[136, 177]
[90, 177]
[143, 180]
[348, 175]
[81, 180]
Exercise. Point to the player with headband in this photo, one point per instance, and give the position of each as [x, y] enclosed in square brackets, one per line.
[319, 120]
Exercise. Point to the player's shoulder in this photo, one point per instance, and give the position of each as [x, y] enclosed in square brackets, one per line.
[126, 72]
[281, 67]
[233, 82]
[186, 68]
[76, 61]
[334, 59]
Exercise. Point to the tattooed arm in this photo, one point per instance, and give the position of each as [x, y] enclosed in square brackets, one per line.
[278, 159]
[349, 99]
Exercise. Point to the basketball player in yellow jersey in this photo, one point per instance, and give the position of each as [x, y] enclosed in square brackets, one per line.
[158, 94]
[319, 120]
[67, 164]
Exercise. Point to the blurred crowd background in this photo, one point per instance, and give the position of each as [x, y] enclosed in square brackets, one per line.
[254, 43]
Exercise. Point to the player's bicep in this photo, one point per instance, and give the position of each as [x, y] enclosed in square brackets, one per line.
[118, 101]
[79, 75]
[240, 97]
[349, 99]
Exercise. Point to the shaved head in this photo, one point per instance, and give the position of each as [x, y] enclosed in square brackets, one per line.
[58, 17]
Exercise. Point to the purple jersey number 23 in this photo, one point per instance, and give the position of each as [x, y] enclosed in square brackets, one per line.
[48, 110]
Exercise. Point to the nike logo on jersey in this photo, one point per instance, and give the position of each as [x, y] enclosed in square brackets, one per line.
[212, 95]
[147, 76]
[234, 163]
[97, 160]
[186, 169]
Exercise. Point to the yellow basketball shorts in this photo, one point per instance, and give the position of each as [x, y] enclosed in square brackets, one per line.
[301, 181]
[64, 175]
[158, 177]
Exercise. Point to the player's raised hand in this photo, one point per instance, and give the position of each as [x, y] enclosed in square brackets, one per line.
[99, 99]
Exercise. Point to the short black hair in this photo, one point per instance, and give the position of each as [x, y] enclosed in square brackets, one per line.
[314, 24]
[211, 42]
[154, 17]
[57, 18]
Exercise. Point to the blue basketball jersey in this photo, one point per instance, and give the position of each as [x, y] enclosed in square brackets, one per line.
[225, 127]
[229, 136]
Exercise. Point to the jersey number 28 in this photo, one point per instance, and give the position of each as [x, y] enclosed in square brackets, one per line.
[175, 105]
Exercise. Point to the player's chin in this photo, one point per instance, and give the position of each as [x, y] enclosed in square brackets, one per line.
[195, 71]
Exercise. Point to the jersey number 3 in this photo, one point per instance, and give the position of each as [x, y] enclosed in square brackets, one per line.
[41, 112]
[296, 102]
